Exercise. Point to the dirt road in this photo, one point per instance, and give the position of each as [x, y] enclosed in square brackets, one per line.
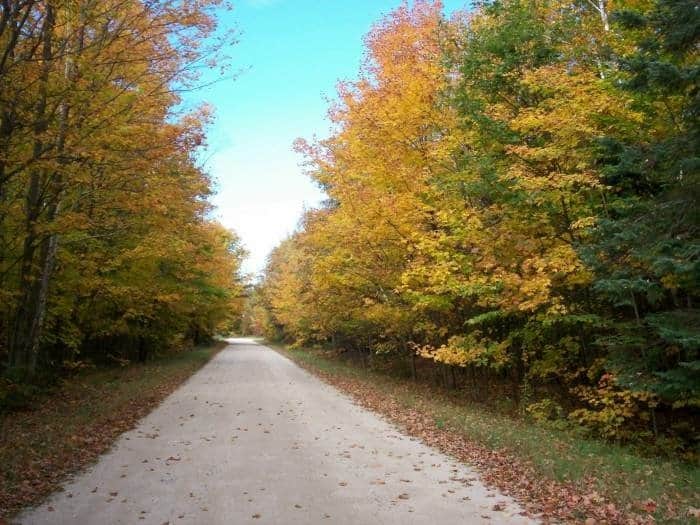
[252, 438]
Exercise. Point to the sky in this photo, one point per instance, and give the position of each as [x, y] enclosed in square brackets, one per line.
[289, 57]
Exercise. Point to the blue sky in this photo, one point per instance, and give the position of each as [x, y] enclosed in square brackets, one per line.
[291, 53]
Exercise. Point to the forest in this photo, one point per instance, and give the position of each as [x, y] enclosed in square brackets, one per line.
[108, 252]
[513, 208]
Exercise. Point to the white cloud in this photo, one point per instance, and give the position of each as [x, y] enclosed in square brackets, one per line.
[261, 196]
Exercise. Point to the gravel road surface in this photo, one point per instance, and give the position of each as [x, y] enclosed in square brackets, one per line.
[252, 438]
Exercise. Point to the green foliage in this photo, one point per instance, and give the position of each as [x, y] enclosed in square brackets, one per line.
[17, 395]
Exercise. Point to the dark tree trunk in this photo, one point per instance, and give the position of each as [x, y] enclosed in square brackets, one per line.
[34, 274]
[143, 350]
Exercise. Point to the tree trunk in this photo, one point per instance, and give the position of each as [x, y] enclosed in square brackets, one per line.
[29, 313]
[44, 195]
[445, 381]
[143, 350]
[603, 15]
[30, 316]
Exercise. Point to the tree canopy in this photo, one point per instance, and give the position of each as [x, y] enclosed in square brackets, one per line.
[513, 194]
[107, 248]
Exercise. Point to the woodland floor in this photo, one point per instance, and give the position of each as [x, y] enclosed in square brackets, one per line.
[81, 419]
[555, 474]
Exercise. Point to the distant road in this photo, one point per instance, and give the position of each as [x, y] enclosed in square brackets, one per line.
[252, 438]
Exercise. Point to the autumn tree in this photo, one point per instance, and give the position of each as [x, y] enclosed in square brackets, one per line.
[511, 195]
[375, 169]
[103, 213]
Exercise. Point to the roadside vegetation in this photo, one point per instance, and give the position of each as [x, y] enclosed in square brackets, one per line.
[108, 253]
[512, 195]
[70, 424]
[556, 473]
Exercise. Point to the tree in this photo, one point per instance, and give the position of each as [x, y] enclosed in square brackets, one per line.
[512, 194]
[94, 160]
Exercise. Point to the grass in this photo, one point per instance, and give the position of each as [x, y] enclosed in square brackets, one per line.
[79, 420]
[617, 472]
